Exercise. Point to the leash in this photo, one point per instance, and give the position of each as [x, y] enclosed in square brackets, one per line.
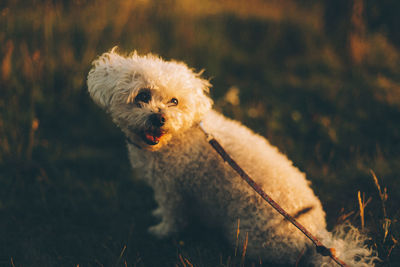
[321, 249]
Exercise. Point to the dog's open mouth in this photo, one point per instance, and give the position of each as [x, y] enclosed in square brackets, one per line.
[152, 136]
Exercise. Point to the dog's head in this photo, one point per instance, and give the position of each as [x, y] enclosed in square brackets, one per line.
[148, 98]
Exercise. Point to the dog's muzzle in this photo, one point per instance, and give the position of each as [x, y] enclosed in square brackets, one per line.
[153, 134]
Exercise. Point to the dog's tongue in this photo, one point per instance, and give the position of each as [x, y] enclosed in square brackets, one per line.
[152, 138]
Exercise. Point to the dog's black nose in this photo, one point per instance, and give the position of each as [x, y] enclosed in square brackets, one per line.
[157, 119]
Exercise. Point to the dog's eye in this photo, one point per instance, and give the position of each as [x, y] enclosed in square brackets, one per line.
[143, 96]
[173, 102]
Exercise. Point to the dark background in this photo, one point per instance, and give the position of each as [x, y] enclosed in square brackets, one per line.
[319, 79]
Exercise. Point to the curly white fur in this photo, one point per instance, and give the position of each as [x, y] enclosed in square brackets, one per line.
[189, 178]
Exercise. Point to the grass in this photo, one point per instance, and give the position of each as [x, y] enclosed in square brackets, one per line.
[68, 196]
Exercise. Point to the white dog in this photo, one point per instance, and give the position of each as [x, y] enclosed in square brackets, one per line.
[159, 105]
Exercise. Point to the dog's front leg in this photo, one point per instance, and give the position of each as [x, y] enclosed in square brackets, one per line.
[170, 207]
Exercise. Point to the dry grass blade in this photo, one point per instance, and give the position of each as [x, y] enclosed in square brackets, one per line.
[244, 249]
[120, 256]
[182, 261]
[384, 196]
[237, 237]
[395, 242]
[386, 225]
[362, 205]
[344, 216]
[188, 262]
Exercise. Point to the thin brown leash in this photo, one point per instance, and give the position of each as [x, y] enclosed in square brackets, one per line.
[321, 249]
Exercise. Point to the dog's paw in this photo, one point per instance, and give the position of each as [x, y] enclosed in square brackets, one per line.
[157, 213]
[161, 230]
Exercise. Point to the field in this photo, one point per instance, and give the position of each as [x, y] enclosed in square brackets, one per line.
[320, 80]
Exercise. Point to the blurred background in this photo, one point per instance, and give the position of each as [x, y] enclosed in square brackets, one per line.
[319, 79]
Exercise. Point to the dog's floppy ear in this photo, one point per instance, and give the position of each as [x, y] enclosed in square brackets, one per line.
[103, 77]
[203, 102]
